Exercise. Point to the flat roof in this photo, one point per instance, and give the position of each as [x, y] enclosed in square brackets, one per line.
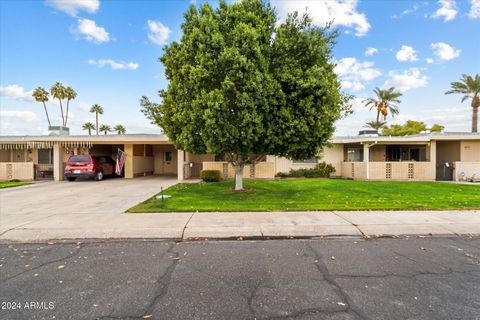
[88, 140]
[422, 137]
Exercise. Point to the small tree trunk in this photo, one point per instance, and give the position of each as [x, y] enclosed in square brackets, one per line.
[96, 120]
[46, 112]
[66, 115]
[61, 109]
[239, 177]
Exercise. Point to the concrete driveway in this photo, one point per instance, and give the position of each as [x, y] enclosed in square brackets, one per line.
[67, 205]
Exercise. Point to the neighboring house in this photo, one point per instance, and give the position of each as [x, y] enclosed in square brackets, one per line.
[436, 156]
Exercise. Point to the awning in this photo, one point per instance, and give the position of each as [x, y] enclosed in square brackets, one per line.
[15, 145]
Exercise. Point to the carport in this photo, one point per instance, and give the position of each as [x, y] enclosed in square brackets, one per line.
[145, 154]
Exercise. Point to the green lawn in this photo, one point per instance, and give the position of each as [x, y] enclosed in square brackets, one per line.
[315, 194]
[10, 184]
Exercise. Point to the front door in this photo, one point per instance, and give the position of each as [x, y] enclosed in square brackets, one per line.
[444, 171]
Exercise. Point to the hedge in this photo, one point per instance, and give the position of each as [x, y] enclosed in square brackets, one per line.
[210, 175]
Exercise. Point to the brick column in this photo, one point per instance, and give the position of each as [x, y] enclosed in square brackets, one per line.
[58, 155]
[180, 164]
[128, 149]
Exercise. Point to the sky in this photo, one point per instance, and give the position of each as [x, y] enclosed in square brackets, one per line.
[108, 51]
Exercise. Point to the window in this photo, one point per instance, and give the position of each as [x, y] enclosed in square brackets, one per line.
[79, 158]
[354, 154]
[311, 160]
[168, 156]
[45, 156]
[418, 154]
[393, 153]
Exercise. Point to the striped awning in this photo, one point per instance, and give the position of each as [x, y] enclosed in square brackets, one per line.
[16, 145]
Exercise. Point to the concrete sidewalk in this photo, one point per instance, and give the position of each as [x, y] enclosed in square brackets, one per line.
[213, 225]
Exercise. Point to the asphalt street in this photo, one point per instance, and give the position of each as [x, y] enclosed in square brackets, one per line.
[406, 278]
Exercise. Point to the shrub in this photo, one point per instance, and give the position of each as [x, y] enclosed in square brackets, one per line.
[14, 180]
[210, 175]
[321, 170]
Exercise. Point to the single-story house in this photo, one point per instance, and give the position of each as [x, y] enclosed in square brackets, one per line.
[433, 156]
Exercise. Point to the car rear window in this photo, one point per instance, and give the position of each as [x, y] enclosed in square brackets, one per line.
[79, 159]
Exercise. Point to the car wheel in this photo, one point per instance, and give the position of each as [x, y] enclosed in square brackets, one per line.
[72, 179]
[99, 176]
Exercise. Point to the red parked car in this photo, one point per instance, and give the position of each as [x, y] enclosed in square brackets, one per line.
[85, 165]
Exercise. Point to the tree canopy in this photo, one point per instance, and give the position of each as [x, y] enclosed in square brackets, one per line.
[243, 85]
[408, 128]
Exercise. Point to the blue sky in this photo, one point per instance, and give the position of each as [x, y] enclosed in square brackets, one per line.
[108, 52]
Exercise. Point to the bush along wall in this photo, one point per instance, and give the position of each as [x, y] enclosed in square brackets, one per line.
[321, 170]
[210, 175]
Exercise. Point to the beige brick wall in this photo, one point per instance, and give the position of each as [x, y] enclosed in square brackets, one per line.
[468, 168]
[469, 151]
[404, 170]
[16, 170]
[355, 170]
[334, 156]
[263, 170]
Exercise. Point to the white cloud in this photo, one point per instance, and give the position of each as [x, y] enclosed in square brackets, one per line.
[407, 11]
[342, 13]
[90, 31]
[474, 12]
[429, 60]
[84, 106]
[16, 92]
[72, 7]
[114, 64]
[444, 51]
[28, 116]
[407, 80]
[353, 73]
[447, 11]
[352, 85]
[370, 51]
[406, 53]
[159, 33]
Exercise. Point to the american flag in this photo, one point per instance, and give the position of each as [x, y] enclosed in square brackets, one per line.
[120, 162]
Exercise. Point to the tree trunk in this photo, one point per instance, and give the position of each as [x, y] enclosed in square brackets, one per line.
[475, 105]
[96, 127]
[66, 115]
[61, 109]
[89, 132]
[46, 112]
[239, 177]
[378, 116]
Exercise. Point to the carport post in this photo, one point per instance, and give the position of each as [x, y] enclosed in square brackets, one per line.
[128, 161]
[58, 153]
[180, 164]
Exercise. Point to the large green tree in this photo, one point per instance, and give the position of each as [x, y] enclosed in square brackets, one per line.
[469, 87]
[243, 85]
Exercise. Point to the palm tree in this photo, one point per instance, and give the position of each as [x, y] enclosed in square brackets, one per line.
[97, 110]
[120, 129]
[70, 94]
[58, 92]
[470, 88]
[384, 102]
[105, 128]
[375, 124]
[88, 126]
[41, 95]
